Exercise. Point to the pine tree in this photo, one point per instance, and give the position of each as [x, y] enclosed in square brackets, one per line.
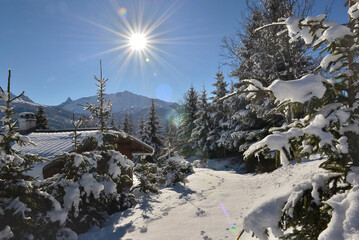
[128, 126]
[119, 124]
[112, 122]
[264, 56]
[125, 123]
[132, 124]
[75, 134]
[170, 136]
[41, 119]
[87, 121]
[236, 104]
[102, 111]
[8, 135]
[142, 129]
[153, 131]
[329, 128]
[219, 116]
[187, 118]
[24, 206]
[203, 120]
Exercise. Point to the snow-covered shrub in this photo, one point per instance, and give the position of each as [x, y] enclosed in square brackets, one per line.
[152, 177]
[176, 169]
[307, 213]
[27, 212]
[329, 128]
[200, 163]
[149, 176]
[262, 162]
[90, 185]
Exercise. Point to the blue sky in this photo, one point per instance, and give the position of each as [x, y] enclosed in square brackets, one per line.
[54, 47]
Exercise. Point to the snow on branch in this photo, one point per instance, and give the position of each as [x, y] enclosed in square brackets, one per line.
[345, 216]
[255, 86]
[300, 90]
[267, 214]
[270, 25]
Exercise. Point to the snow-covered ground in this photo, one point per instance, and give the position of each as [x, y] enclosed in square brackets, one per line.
[211, 205]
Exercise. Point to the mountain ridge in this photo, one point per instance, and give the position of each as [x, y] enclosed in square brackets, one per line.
[121, 101]
[60, 116]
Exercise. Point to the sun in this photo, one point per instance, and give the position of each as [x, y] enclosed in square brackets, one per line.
[138, 37]
[138, 41]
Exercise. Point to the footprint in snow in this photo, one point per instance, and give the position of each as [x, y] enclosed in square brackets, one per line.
[143, 229]
[203, 232]
[131, 229]
[200, 213]
[165, 213]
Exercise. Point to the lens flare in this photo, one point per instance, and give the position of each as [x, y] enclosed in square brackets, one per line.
[164, 92]
[122, 12]
[232, 226]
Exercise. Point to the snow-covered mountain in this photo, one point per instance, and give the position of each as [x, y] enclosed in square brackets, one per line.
[121, 102]
[60, 116]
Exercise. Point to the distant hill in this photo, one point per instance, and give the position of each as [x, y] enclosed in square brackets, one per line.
[122, 102]
[60, 116]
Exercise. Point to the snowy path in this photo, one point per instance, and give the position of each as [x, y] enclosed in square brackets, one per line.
[211, 206]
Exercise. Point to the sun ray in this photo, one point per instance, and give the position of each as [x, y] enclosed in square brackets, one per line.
[139, 38]
[167, 14]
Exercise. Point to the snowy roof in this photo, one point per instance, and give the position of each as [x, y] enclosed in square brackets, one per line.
[53, 142]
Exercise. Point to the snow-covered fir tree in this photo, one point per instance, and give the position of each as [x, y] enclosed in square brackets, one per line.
[187, 118]
[102, 111]
[170, 135]
[264, 56]
[24, 206]
[88, 121]
[41, 119]
[202, 124]
[75, 135]
[132, 124]
[128, 125]
[112, 122]
[153, 131]
[142, 128]
[236, 103]
[329, 128]
[119, 124]
[219, 114]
